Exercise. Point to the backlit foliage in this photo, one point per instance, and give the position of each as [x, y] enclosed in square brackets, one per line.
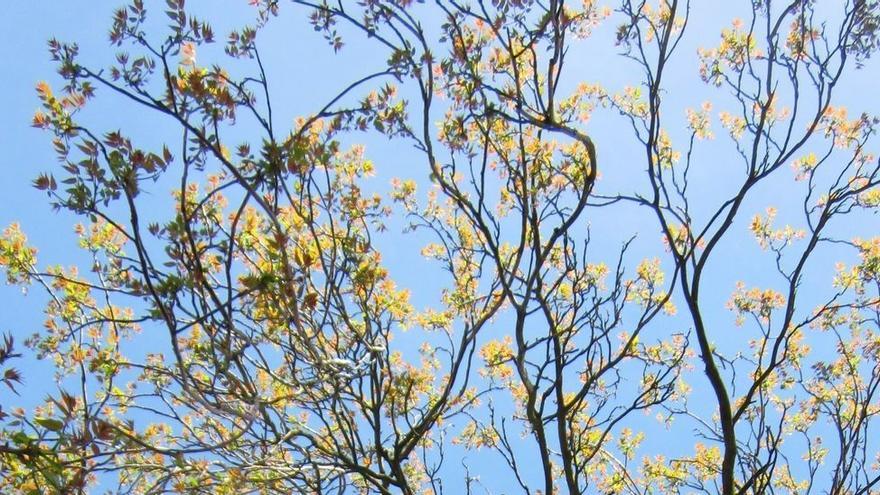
[257, 332]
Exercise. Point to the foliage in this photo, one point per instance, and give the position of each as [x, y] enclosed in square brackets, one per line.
[245, 341]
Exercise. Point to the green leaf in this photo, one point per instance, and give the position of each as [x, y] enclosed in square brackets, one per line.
[50, 424]
[21, 438]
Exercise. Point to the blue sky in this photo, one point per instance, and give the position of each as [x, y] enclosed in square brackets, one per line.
[304, 73]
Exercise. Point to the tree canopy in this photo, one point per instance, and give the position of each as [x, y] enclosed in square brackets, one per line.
[513, 251]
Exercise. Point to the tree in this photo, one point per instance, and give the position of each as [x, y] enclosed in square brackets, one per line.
[244, 343]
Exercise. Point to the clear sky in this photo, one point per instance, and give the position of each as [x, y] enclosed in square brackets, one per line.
[304, 73]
